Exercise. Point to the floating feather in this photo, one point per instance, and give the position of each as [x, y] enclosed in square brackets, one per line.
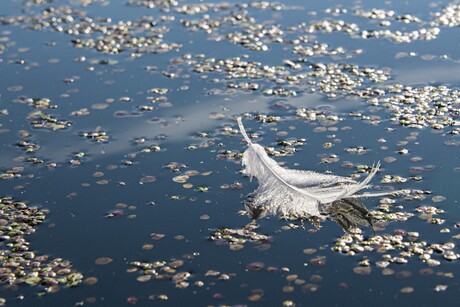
[295, 192]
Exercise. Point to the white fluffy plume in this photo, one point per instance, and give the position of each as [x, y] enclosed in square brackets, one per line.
[297, 192]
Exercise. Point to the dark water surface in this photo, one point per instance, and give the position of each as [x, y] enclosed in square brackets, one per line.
[189, 126]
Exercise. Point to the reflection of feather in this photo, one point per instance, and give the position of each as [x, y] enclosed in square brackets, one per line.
[295, 192]
[349, 214]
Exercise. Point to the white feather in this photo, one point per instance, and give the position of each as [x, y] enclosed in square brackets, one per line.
[301, 193]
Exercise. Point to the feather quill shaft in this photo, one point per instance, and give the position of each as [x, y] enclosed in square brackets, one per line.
[263, 158]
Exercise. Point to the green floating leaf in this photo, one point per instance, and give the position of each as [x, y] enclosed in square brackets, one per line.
[33, 281]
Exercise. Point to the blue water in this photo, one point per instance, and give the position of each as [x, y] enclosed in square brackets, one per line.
[77, 229]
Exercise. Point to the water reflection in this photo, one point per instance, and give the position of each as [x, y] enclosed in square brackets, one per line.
[347, 213]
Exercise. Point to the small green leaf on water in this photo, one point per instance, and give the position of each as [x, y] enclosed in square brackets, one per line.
[202, 189]
[33, 281]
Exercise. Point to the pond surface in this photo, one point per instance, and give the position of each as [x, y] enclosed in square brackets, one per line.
[118, 122]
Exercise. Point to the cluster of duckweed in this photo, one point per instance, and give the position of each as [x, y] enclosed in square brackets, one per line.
[15, 172]
[172, 272]
[397, 248]
[162, 270]
[101, 34]
[97, 136]
[236, 239]
[20, 265]
[41, 120]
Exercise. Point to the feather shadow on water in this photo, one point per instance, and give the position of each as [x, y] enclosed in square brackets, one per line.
[347, 213]
[303, 194]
